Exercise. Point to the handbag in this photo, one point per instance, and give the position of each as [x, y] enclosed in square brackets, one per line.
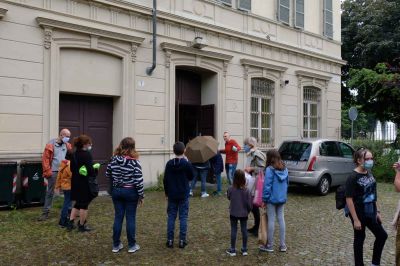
[92, 180]
[257, 201]
[262, 229]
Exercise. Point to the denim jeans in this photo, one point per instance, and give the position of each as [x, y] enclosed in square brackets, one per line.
[243, 228]
[66, 206]
[359, 236]
[175, 207]
[202, 173]
[125, 203]
[275, 210]
[219, 182]
[230, 169]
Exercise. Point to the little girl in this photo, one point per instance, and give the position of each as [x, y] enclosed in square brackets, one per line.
[274, 197]
[239, 208]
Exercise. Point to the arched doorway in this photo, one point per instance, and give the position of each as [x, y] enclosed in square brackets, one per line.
[195, 101]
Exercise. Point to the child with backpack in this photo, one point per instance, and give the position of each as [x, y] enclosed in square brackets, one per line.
[63, 182]
[239, 208]
[274, 197]
[178, 173]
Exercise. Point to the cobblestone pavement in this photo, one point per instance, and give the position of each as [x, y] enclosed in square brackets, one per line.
[317, 234]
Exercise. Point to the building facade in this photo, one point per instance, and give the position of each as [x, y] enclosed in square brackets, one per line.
[268, 69]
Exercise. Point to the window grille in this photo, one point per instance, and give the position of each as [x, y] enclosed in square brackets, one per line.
[312, 99]
[261, 111]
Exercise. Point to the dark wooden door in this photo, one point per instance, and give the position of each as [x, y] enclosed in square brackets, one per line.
[92, 116]
[206, 127]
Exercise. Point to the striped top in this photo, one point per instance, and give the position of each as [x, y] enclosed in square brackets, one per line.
[126, 172]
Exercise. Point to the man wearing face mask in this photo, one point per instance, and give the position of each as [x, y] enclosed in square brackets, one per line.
[53, 154]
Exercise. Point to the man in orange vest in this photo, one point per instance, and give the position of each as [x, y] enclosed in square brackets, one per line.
[231, 150]
[53, 154]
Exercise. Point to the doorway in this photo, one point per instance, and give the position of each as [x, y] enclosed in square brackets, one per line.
[194, 115]
[92, 116]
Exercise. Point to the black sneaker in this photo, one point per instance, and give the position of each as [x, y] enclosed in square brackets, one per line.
[62, 223]
[182, 243]
[170, 244]
[70, 225]
[83, 228]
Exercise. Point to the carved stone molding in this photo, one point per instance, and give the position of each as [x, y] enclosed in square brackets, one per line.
[48, 33]
[134, 48]
[246, 71]
[189, 50]
[168, 58]
[3, 12]
[302, 73]
[248, 62]
[51, 23]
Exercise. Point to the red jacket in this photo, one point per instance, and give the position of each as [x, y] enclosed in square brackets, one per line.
[47, 158]
[231, 156]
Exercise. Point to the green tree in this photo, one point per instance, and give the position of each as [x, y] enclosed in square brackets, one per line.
[371, 46]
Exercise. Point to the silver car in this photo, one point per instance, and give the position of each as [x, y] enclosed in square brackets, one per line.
[320, 163]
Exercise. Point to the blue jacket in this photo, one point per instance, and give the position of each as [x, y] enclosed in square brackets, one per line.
[275, 185]
[217, 163]
[178, 173]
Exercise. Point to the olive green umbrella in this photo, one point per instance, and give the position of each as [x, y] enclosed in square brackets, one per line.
[201, 149]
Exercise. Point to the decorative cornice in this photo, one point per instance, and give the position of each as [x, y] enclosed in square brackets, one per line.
[52, 23]
[3, 12]
[303, 73]
[48, 33]
[248, 62]
[166, 46]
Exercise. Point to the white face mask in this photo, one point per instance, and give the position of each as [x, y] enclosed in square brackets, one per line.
[89, 148]
[65, 139]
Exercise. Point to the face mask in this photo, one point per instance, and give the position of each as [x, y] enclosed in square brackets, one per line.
[246, 148]
[89, 148]
[368, 164]
[65, 139]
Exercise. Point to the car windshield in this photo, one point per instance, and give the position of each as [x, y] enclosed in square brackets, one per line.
[295, 151]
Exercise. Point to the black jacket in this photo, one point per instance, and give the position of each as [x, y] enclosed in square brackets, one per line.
[178, 173]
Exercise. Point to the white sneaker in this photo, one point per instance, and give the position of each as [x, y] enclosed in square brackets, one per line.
[191, 193]
[117, 249]
[204, 195]
[133, 249]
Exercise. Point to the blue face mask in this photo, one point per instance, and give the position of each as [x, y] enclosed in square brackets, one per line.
[368, 164]
[246, 148]
[65, 139]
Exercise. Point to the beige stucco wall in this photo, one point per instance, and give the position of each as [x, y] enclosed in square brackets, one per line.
[34, 69]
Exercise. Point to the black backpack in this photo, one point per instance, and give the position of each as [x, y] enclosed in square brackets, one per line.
[340, 197]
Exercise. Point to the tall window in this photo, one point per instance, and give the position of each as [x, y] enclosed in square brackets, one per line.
[291, 12]
[262, 91]
[328, 19]
[312, 99]
[284, 11]
[299, 14]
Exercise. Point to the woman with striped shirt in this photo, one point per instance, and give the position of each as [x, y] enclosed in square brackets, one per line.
[127, 192]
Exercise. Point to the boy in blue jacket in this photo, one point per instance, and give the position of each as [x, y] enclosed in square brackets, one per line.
[178, 173]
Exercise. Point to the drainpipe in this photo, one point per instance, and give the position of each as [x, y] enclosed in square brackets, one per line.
[150, 70]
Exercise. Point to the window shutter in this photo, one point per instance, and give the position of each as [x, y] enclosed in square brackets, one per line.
[284, 11]
[299, 14]
[328, 19]
[227, 2]
[244, 5]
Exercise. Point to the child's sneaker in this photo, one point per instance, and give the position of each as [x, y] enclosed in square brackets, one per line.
[118, 248]
[170, 244]
[231, 252]
[244, 252]
[283, 248]
[204, 195]
[134, 248]
[182, 243]
[266, 248]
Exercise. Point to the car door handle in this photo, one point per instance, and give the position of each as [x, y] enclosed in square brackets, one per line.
[330, 160]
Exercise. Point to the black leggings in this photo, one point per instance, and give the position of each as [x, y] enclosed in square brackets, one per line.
[256, 213]
[359, 236]
[243, 228]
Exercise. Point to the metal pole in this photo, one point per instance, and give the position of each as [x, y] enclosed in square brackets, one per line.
[351, 141]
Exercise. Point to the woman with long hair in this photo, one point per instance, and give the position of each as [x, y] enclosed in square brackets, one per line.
[127, 193]
[80, 191]
[361, 202]
[274, 197]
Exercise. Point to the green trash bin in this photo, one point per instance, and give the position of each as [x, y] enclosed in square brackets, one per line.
[33, 184]
[8, 183]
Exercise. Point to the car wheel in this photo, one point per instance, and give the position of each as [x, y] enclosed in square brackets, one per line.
[324, 185]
